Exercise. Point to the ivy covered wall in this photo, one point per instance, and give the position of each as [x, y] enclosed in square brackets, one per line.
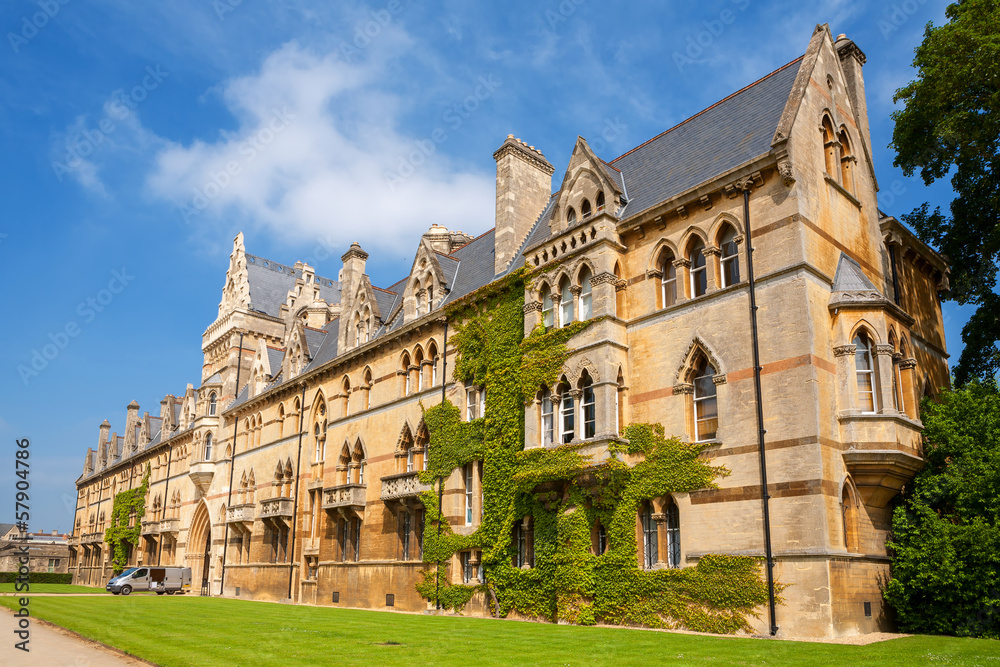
[565, 495]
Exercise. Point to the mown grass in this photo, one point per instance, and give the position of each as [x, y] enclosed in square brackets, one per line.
[66, 589]
[212, 631]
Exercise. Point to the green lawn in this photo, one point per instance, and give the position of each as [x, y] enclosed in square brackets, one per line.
[69, 589]
[212, 631]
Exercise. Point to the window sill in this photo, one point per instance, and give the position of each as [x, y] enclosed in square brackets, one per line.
[842, 190]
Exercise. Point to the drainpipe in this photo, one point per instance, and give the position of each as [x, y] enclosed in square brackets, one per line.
[232, 467]
[166, 490]
[745, 185]
[295, 501]
[444, 382]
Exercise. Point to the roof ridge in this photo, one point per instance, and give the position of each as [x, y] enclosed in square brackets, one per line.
[727, 97]
[611, 165]
[382, 289]
[491, 229]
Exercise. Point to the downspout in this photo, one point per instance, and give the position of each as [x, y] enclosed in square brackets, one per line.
[232, 467]
[295, 501]
[746, 185]
[166, 491]
[444, 384]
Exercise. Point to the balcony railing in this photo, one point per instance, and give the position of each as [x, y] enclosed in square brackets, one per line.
[405, 486]
[276, 508]
[240, 513]
[92, 538]
[150, 527]
[346, 497]
[171, 525]
[73, 540]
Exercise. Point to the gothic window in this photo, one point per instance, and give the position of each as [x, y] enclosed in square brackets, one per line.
[699, 275]
[524, 538]
[406, 453]
[649, 546]
[897, 397]
[865, 371]
[565, 303]
[586, 294]
[849, 511]
[208, 446]
[668, 279]
[846, 162]
[405, 370]
[344, 465]
[571, 216]
[432, 352]
[600, 539]
[548, 424]
[469, 487]
[418, 360]
[212, 404]
[830, 148]
[588, 406]
[404, 533]
[673, 526]
[366, 390]
[730, 261]
[547, 308]
[600, 201]
[567, 415]
[706, 407]
[585, 209]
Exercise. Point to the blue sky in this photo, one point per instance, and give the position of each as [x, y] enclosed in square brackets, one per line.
[140, 139]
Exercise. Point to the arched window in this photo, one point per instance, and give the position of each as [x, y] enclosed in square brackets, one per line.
[319, 439]
[673, 525]
[405, 370]
[571, 216]
[668, 279]
[706, 407]
[208, 446]
[865, 371]
[344, 465]
[830, 148]
[585, 209]
[212, 404]
[418, 361]
[650, 555]
[588, 406]
[586, 294]
[730, 262]
[358, 462]
[432, 352]
[699, 276]
[849, 512]
[565, 303]
[846, 163]
[547, 417]
[524, 541]
[567, 414]
[367, 390]
[600, 201]
[430, 297]
[281, 420]
[547, 308]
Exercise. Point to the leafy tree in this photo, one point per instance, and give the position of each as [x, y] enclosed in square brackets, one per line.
[946, 534]
[950, 125]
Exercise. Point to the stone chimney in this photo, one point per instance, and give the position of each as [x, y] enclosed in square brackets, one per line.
[852, 59]
[131, 424]
[167, 415]
[350, 276]
[524, 185]
[105, 433]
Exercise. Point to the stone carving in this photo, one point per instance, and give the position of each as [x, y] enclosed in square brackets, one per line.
[602, 278]
[407, 485]
[844, 350]
[785, 171]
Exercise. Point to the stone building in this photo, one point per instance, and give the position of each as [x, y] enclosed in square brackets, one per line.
[292, 469]
[47, 552]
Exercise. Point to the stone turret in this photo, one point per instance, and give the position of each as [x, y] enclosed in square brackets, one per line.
[852, 59]
[105, 433]
[524, 184]
[131, 425]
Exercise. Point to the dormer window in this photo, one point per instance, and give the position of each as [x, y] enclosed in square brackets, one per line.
[600, 201]
[571, 216]
[585, 209]
[212, 404]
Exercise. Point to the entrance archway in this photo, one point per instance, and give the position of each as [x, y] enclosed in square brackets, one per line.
[200, 545]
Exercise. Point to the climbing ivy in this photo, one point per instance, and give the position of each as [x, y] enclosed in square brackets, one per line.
[119, 532]
[565, 494]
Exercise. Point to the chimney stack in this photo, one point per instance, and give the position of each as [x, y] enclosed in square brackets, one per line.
[105, 432]
[852, 59]
[524, 185]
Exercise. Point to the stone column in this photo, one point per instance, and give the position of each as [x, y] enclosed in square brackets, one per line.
[847, 383]
[661, 539]
[712, 268]
[532, 316]
[683, 391]
[575, 291]
[604, 408]
[683, 267]
[603, 285]
[883, 366]
[907, 387]
[655, 278]
[577, 394]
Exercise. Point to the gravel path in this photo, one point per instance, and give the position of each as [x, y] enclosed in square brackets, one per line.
[51, 646]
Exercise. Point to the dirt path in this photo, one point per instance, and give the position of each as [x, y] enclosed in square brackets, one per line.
[52, 646]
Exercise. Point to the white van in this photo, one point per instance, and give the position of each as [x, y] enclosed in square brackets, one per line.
[160, 580]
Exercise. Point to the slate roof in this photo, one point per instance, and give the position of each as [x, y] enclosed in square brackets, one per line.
[274, 358]
[328, 350]
[850, 277]
[216, 378]
[270, 283]
[723, 136]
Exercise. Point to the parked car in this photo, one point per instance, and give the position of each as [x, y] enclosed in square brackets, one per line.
[160, 580]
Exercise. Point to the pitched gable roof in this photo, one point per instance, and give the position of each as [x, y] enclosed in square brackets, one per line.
[270, 283]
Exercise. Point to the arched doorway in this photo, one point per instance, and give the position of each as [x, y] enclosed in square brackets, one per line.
[200, 546]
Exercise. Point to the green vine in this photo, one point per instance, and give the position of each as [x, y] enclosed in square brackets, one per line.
[119, 533]
[565, 495]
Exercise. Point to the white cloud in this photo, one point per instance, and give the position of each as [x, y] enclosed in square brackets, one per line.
[319, 154]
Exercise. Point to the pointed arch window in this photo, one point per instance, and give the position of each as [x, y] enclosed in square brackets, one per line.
[730, 261]
[213, 404]
[567, 415]
[600, 201]
[548, 423]
[668, 279]
[548, 308]
[706, 406]
[586, 294]
[565, 303]
[588, 406]
[865, 372]
[571, 216]
[672, 523]
[208, 446]
[585, 209]
[650, 556]
[699, 275]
